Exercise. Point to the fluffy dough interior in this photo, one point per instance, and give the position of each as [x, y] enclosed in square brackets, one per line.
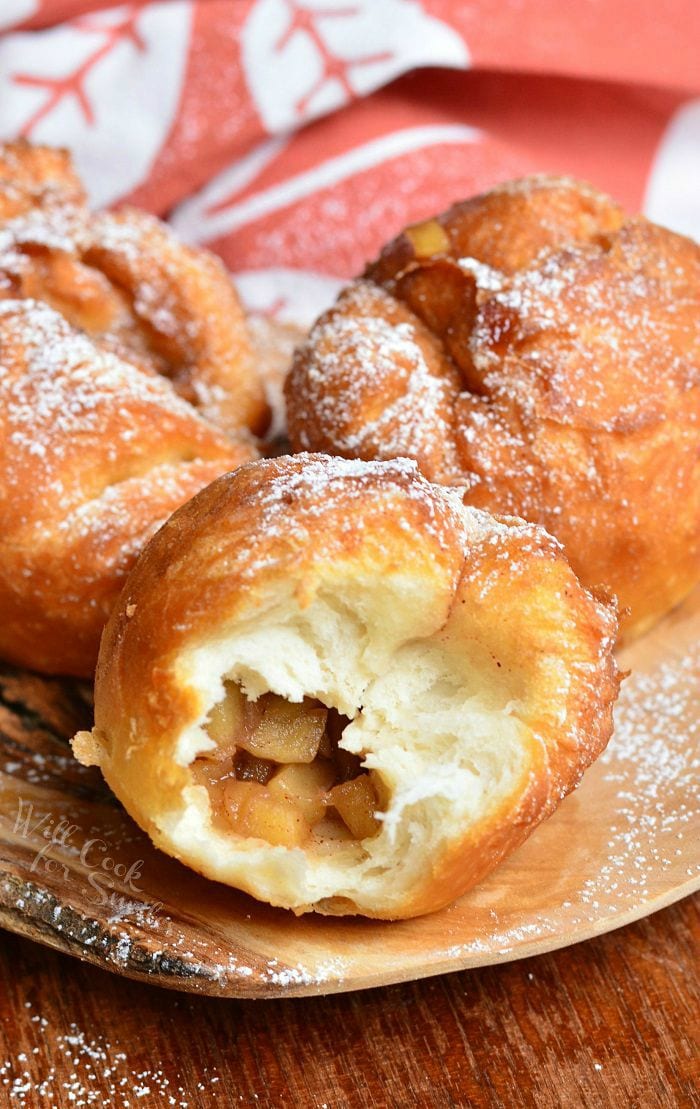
[431, 720]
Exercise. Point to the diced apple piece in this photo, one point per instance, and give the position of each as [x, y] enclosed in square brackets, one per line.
[356, 803]
[214, 775]
[211, 772]
[428, 238]
[325, 747]
[330, 831]
[248, 768]
[347, 765]
[306, 786]
[287, 732]
[227, 720]
[253, 811]
[381, 790]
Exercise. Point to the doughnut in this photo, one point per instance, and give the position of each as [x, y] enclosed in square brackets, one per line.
[540, 350]
[125, 279]
[332, 685]
[94, 455]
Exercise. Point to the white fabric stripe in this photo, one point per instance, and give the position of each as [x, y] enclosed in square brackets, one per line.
[192, 221]
[673, 193]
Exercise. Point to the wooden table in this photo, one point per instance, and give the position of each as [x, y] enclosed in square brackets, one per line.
[610, 1022]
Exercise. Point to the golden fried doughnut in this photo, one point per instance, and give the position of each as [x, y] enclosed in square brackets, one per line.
[94, 456]
[331, 684]
[541, 350]
[125, 279]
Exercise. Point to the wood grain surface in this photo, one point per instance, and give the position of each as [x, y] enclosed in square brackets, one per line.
[608, 1023]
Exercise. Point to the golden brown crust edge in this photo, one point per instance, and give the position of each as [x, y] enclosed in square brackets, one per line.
[510, 225]
[34, 176]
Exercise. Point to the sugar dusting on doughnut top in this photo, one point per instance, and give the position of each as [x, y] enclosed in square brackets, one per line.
[64, 231]
[61, 396]
[95, 455]
[133, 240]
[126, 279]
[56, 382]
[596, 331]
[599, 337]
[53, 216]
[376, 387]
[148, 251]
[561, 383]
[310, 488]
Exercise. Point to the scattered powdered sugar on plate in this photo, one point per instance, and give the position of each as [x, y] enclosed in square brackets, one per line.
[658, 735]
[653, 766]
[330, 970]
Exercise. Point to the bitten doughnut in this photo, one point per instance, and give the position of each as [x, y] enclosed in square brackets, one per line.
[541, 350]
[330, 684]
[124, 279]
[94, 455]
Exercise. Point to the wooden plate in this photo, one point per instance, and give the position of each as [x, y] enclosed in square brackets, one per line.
[78, 875]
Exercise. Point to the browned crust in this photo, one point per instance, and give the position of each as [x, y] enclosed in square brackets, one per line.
[569, 370]
[509, 226]
[508, 587]
[36, 176]
[191, 313]
[94, 456]
[126, 279]
[86, 479]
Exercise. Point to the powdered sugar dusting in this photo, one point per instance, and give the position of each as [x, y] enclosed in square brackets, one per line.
[377, 385]
[74, 1067]
[572, 338]
[568, 392]
[487, 278]
[125, 278]
[95, 455]
[186, 306]
[59, 394]
[146, 250]
[379, 346]
[64, 232]
[313, 488]
[585, 326]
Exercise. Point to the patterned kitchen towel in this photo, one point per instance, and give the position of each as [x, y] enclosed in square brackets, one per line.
[294, 137]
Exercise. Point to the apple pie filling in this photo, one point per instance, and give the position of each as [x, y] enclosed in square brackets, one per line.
[278, 774]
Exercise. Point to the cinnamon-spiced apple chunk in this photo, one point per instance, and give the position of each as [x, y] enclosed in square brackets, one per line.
[277, 772]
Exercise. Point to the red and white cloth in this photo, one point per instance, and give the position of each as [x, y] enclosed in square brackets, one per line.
[294, 137]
